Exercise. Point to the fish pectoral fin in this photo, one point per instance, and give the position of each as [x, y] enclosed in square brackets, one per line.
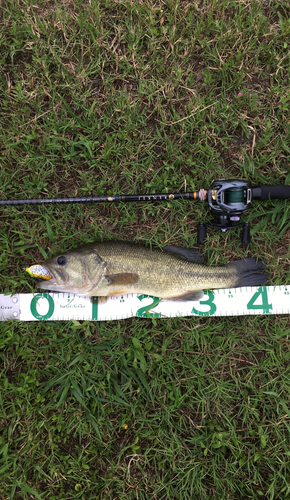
[122, 278]
[185, 253]
[197, 295]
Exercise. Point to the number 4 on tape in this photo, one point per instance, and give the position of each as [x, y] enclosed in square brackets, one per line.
[262, 291]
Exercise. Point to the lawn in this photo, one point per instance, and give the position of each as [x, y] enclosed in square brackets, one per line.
[115, 96]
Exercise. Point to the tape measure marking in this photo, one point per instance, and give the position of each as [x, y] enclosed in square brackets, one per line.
[222, 302]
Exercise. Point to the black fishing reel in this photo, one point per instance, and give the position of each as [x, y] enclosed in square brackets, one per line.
[228, 199]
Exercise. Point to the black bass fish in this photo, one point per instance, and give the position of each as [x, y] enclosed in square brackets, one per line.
[117, 268]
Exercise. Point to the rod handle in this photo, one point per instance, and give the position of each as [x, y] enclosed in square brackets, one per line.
[266, 192]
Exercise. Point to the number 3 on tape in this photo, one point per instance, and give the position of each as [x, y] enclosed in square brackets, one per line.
[209, 302]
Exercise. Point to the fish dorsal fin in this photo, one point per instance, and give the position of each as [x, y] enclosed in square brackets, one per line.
[122, 279]
[185, 253]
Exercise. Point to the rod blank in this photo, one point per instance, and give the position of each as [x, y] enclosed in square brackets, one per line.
[114, 198]
[264, 192]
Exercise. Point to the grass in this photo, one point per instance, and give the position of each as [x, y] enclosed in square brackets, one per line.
[117, 96]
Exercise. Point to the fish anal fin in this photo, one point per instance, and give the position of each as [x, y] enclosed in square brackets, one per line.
[185, 253]
[119, 292]
[194, 295]
[102, 299]
[122, 279]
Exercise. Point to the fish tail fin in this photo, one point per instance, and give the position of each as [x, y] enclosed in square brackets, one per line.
[250, 272]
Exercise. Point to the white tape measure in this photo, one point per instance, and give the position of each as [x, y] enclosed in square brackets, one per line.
[222, 302]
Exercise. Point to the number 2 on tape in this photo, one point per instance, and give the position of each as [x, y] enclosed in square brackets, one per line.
[143, 312]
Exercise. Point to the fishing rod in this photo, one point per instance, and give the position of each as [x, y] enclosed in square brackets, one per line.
[228, 199]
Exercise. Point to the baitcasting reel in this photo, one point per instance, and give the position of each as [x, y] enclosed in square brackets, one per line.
[227, 199]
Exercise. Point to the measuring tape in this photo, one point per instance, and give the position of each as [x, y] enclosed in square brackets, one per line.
[222, 302]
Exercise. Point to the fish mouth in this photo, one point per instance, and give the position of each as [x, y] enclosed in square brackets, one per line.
[52, 278]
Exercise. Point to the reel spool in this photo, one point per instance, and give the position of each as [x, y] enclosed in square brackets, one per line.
[228, 199]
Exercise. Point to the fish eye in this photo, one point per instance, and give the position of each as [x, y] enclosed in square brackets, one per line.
[61, 260]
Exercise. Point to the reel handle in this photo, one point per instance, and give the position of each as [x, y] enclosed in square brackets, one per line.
[201, 233]
[246, 233]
